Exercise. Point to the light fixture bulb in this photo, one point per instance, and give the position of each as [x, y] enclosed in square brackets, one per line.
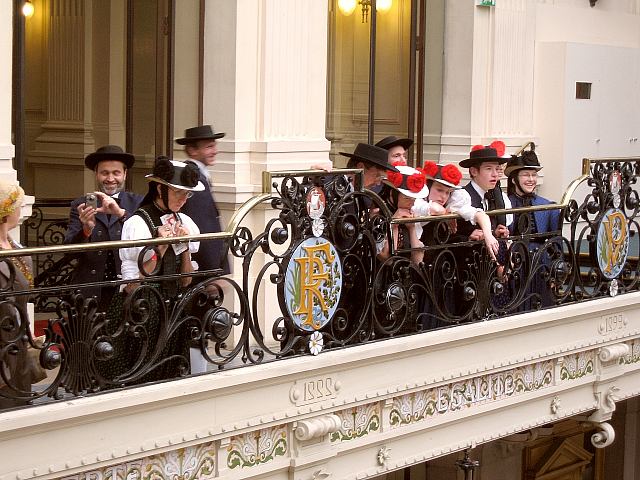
[383, 5]
[27, 9]
[347, 7]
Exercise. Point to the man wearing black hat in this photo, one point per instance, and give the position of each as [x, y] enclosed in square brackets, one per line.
[373, 160]
[104, 221]
[200, 146]
[397, 147]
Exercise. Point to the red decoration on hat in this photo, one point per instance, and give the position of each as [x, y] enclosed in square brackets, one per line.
[416, 182]
[430, 168]
[451, 174]
[395, 178]
[477, 147]
[499, 147]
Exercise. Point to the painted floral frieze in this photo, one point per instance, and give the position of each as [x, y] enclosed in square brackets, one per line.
[357, 422]
[189, 463]
[258, 447]
[577, 365]
[421, 405]
[634, 353]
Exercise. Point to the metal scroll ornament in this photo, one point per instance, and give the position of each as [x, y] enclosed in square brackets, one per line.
[313, 283]
[612, 244]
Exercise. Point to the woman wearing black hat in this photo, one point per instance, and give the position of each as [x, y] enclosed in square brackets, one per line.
[522, 172]
[170, 185]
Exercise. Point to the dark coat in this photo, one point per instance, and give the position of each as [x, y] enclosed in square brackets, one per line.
[546, 220]
[203, 211]
[92, 266]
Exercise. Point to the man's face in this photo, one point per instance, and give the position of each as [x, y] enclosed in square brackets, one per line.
[439, 193]
[110, 176]
[397, 154]
[486, 175]
[527, 180]
[204, 151]
[372, 175]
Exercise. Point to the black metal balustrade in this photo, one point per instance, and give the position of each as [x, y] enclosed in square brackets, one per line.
[318, 254]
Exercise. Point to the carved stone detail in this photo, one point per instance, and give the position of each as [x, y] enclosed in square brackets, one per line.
[384, 454]
[317, 427]
[556, 405]
[612, 353]
[604, 437]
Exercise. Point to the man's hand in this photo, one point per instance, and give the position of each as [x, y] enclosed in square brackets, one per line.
[492, 246]
[87, 216]
[501, 231]
[109, 205]
[476, 235]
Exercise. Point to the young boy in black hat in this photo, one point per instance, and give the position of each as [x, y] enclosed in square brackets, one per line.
[484, 168]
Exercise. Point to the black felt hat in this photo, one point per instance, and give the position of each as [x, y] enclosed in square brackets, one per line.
[526, 160]
[392, 141]
[482, 153]
[371, 154]
[109, 152]
[203, 132]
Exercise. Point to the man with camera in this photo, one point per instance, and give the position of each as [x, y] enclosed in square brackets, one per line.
[98, 217]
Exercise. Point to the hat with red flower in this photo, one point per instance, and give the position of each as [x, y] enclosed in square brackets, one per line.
[448, 175]
[485, 153]
[409, 181]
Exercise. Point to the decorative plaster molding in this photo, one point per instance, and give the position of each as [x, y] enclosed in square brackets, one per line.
[198, 461]
[556, 405]
[604, 437]
[357, 422]
[384, 454]
[320, 475]
[257, 447]
[611, 353]
[317, 427]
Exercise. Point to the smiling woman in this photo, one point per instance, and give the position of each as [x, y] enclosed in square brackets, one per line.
[170, 184]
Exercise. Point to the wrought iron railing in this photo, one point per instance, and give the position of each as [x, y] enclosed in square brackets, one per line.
[317, 258]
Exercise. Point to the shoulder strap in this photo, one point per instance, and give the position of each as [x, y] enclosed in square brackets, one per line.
[141, 212]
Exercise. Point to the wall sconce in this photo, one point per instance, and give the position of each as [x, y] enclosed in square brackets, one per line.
[27, 9]
[347, 7]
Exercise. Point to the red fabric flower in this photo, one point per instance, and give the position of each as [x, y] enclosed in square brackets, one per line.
[399, 163]
[451, 174]
[499, 146]
[416, 182]
[395, 178]
[430, 168]
[477, 147]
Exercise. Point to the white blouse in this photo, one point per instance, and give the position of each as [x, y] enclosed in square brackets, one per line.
[135, 228]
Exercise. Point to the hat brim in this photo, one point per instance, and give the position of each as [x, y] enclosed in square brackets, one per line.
[152, 178]
[445, 183]
[93, 159]
[509, 170]
[424, 193]
[472, 162]
[188, 140]
[386, 166]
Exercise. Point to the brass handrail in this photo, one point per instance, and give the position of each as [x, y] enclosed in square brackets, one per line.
[267, 195]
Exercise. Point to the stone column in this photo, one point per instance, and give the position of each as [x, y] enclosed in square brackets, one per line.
[67, 133]
[6, 145]
[265, 65]
[488, 89]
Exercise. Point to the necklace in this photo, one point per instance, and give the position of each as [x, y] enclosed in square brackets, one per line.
[21, 264]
